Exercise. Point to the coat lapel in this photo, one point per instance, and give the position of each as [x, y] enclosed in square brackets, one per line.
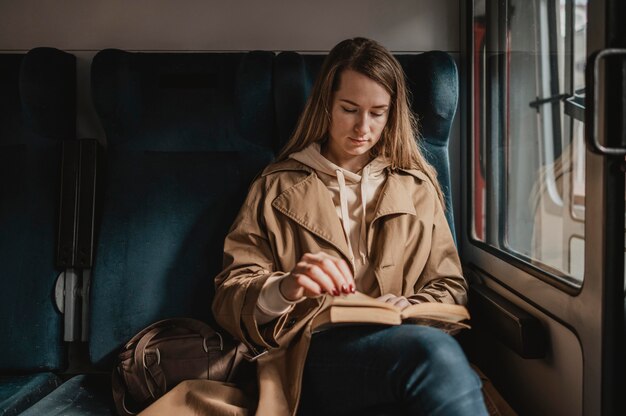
[310, 205]
[394, 199]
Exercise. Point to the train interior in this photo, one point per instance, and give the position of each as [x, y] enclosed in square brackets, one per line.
[129, 135]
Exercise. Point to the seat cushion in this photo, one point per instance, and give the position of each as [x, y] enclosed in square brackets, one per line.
[17, 393]
[80, 395]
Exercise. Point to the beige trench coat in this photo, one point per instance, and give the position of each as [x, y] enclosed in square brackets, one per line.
[289, 212]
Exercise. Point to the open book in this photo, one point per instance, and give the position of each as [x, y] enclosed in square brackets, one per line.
[359, 308]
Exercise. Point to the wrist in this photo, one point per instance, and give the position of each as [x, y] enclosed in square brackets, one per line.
[288, 291]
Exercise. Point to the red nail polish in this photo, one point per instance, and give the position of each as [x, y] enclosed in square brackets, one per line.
[345, 289]
[335, 292]
[352, 289]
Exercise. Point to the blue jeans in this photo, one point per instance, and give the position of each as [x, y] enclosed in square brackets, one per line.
[380, 370]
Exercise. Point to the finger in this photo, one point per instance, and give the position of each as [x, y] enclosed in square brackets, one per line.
[342, 266]
[315, 273]
[404, 305]
[345, 269]
[329, 266]
[311, 288]
[397, 299]
[401, 302]
[386, 298]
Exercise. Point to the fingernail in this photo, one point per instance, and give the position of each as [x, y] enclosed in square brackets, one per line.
[352, 289]
[345, 289]
[335, 292]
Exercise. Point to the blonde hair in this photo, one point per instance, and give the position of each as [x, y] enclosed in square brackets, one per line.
[398, 140]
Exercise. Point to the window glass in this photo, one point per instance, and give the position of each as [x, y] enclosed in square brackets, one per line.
[528, 153]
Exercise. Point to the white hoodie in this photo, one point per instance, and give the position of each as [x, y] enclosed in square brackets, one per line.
[355, 197]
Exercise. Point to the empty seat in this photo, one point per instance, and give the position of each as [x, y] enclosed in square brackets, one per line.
[186, 134]
[37, 112]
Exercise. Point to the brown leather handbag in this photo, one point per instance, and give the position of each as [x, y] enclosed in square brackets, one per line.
[167, 352]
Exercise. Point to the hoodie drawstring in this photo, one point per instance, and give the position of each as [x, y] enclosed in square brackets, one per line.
[345, 217]
[362, 238]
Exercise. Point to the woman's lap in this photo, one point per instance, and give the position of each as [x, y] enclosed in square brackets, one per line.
[355, 369]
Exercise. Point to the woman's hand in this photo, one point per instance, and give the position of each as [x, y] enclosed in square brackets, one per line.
[399, 301]
[316, 274]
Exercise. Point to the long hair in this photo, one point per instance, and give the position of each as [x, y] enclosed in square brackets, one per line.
[398, 139]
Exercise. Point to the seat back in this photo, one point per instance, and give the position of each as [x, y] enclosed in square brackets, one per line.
[37, 112]
[432, 80]
[186, 134]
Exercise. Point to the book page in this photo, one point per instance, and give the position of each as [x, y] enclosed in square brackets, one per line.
[359, 308]
[361, 299]
[438, 311]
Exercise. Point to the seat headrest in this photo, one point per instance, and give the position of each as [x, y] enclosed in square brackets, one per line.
[47, 85]
[294, 75]
[432, 78]
[185, 101]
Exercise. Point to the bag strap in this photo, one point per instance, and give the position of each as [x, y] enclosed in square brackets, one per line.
[142, 365]
[119, 394]
[213, 345]
[189, 323]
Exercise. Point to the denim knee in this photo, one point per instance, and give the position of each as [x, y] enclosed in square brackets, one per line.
[436, 373]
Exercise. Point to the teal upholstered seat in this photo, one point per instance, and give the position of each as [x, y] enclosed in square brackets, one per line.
[37, 112]
[80, 396]
[186, 134]
[18, 393]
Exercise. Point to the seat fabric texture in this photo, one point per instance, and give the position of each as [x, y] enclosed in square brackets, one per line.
[84, 395]
[186, 135]
[17, 393]
[37, 112]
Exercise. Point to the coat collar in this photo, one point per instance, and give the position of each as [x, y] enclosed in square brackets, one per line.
[309, 204]
[297, 202]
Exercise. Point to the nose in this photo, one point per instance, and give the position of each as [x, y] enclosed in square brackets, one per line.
[361, 127]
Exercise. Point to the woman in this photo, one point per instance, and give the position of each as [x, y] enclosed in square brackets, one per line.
[350, 204]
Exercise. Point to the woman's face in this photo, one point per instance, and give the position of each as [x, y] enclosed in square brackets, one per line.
[359, 113]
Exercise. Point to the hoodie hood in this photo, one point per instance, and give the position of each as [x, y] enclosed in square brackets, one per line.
[312, 157]
[354, 194]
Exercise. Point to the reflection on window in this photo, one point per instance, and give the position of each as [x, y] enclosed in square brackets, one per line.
[528, 157]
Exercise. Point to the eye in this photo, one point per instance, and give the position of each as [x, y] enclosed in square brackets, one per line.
[375, 114]
[349, 110]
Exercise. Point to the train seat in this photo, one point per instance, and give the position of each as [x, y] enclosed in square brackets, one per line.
[37, 113]
[432, 79]
[186, 134]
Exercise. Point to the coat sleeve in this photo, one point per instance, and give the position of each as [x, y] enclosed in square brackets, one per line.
[442, 277]
[248, 263]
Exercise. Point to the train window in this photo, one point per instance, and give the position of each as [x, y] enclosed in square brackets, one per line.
[528, 153]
